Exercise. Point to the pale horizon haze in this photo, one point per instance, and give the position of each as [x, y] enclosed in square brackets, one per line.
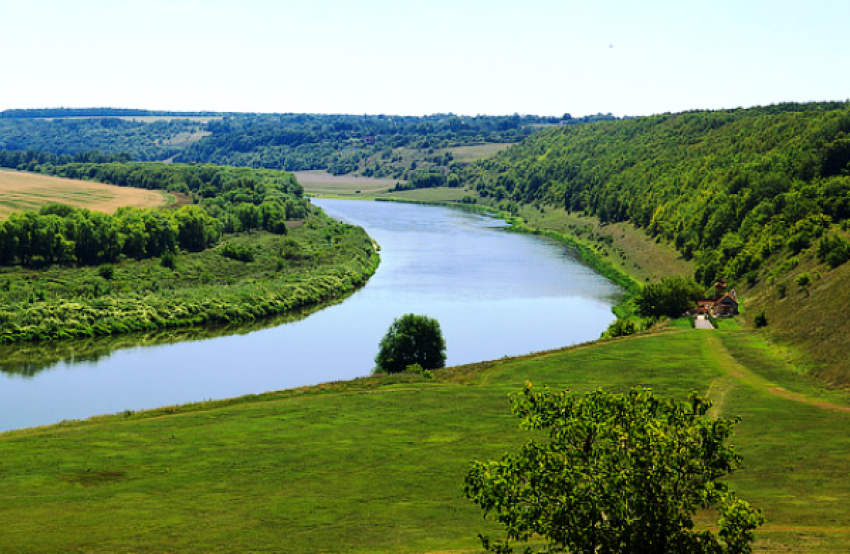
[493, 57]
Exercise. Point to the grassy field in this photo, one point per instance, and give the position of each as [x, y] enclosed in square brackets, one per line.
[325, 184]
[376, 464]
[475, 152]
[29, 191]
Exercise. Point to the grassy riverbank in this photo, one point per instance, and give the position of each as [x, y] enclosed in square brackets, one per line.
[246, 277]
[376, 464]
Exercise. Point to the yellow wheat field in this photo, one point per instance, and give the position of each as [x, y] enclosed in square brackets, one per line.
[28, 192]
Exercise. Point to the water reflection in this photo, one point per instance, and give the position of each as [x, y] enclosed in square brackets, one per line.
[27, 359]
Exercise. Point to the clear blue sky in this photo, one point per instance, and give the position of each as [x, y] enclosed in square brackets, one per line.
[416, 57]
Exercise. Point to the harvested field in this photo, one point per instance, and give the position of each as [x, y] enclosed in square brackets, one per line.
[322, 182]
[28, 192]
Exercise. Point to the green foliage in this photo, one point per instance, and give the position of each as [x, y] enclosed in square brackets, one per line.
[833, 250]
[411, 340]
[107, 271]
[622, 327]
[672, 297]
[729, 189]
[760, 320]
[169, 260]
[620, 473]
[339, 144]
[149, 294]
[240, 253]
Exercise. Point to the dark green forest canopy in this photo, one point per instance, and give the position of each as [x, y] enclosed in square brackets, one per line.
[728, 188]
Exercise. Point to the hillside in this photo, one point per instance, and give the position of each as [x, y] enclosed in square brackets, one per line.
[757, 197]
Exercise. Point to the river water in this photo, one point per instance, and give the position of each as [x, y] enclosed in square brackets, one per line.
[495, 294]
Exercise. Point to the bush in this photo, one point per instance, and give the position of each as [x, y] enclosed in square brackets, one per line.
[833, 250]
[411, 339]
[239, 253]
[169, 260]
[107, 271]
[760, 320]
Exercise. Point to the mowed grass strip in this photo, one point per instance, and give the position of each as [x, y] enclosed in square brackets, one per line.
[29, 191]
[377, 464]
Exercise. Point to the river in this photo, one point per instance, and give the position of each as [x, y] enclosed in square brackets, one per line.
[495, 294]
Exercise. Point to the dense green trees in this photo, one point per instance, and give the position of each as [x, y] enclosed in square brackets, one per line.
[411, 339]
[672, 297]
[619, 473]
[729, 189]
[61, 234]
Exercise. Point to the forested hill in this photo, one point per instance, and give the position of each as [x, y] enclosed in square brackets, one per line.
[729, 188]
[759, 197]
[373, 145]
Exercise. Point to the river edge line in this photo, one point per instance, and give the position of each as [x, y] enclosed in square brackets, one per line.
[517, 224]
[280, 298]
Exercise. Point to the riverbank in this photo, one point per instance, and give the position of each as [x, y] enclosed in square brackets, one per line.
[246, 277]
[376, 464]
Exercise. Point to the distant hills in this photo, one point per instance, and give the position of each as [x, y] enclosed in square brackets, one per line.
[371, 145]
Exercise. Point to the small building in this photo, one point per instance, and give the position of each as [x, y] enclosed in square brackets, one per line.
[723, 305]
[727, 306]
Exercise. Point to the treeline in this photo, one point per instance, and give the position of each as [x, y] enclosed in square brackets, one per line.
[214, 186]
[342, 143]
[60, 234]
[729, 189]
[31, 160]
[141, 140]
[92, 112]
[229, 200]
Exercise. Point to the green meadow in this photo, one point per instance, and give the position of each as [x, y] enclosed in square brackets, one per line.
[377, 464]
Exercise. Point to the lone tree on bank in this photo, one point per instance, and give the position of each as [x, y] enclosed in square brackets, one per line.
[620, 473]
[412, 339]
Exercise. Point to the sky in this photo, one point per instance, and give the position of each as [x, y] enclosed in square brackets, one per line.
[412, 57]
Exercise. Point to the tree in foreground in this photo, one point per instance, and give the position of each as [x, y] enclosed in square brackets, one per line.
[411, 339]
[619, 473]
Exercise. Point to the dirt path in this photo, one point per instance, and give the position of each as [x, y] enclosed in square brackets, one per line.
[702, 322]
[736, 372]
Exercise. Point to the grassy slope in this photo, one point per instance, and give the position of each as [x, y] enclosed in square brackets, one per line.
[376, 465]
[812, 324]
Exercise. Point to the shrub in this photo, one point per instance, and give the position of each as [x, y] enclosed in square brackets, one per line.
[107, 271]
[760, 320]
[169, 260]
[239, 253]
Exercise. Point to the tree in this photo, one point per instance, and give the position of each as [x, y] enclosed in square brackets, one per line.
[671, 297]
[619, 473]
[412, 339]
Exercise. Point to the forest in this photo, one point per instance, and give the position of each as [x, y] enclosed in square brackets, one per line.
[339, 144]
[730, 189]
